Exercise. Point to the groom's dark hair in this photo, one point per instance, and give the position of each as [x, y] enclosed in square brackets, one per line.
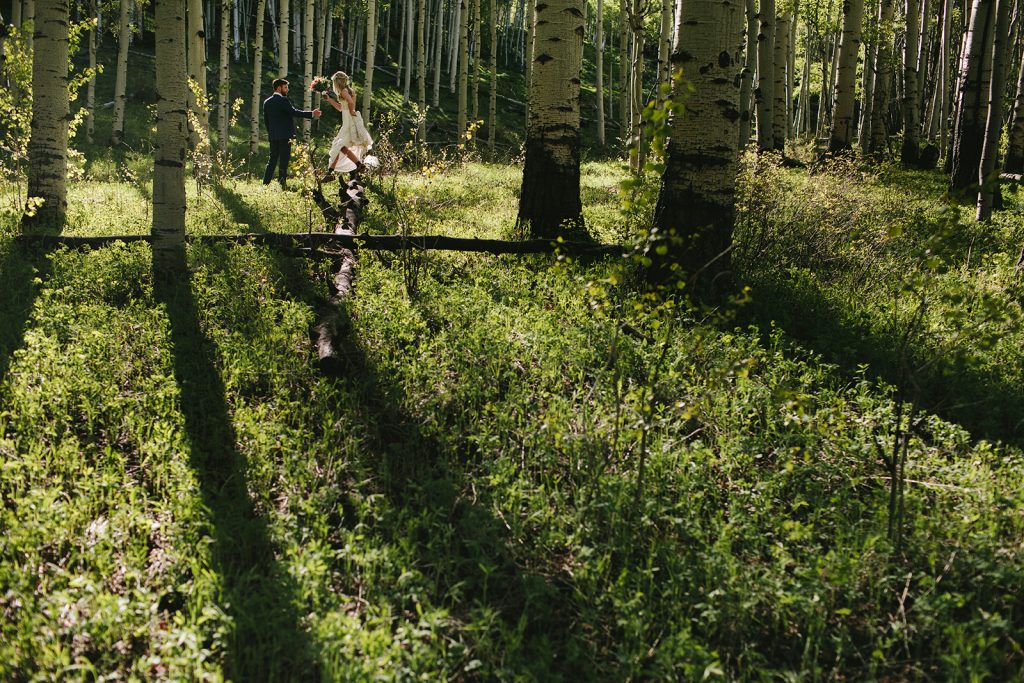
[278, 82]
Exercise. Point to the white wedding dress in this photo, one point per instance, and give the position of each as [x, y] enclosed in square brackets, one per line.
[352, 134]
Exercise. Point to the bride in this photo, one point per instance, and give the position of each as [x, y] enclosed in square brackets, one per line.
[353, 141]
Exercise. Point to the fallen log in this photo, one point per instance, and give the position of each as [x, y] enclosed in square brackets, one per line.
[306, 241]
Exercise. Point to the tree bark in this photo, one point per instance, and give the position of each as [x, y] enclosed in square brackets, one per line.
[911, 151]
[421, 70]
[371, 52]
[121, 75]
[975, 76]
[492, 104]
[90, 91]
[463, 70]
[474, 66]
[987, 173]
[1014, 162]
[747, 75]
[944, 76]
[48, 135]
[764, 95]
[224, 77]
[841, 137]
[283, 29]
[435, 99]
[168, 228]
[883, 74]
[307, 66]
[780, 107]
[549, 200]
[257, 80]
[599, 71]
[696, 202]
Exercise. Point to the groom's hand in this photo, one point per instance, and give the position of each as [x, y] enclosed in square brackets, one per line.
[316, 113]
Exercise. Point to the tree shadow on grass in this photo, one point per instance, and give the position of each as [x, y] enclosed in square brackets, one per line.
[20, 268]
[952, 388]
[268, 642]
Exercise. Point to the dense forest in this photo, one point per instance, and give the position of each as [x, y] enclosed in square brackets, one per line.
[673, 340]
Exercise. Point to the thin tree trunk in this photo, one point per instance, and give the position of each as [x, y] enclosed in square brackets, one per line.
[463, 70]
[696, 202]
[454, 44]
[764, 95]
[168, 227]
[550, 197]
[421, 70]
[531, 28]
[236, 38]
[987, 174]
[121, 77]
[664, 45]
[747, 75]
[474, 70]
[224, 79]
[492, 104]
[1014, 162]
[975, 76]
[48, 136]
[283, 28]
[791, 43]
[90, 91]
[371, 52]
[780, 107]
[911, 150]
[883, 74]
[636, 92]
[624, 70]
[599, 69]
[438, 61]
[257, 79]
[846, 78]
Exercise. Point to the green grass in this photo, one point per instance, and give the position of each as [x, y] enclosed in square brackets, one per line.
[186, 497]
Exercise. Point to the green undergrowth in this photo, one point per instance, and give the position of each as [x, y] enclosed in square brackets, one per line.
[524, 472]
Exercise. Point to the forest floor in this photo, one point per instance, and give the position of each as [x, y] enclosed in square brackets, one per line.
[530, 471]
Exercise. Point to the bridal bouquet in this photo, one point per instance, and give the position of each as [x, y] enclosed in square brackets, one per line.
[320, 84]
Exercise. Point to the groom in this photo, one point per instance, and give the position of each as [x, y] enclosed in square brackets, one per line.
[278, 113]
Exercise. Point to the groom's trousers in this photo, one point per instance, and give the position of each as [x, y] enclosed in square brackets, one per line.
[280, 155]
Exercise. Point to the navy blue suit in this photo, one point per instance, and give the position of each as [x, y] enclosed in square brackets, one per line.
[278, 113]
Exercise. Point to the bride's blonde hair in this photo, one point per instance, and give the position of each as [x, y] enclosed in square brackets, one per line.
[341, 82]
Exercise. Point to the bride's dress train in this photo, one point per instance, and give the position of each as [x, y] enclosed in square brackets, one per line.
[352, 134]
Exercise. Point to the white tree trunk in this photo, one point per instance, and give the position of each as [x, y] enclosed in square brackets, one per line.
[371, 53]
[421, 69]
[550, 196]
[168, 227]
[987, 180]
[121, 76]
[764, 95]
[841, 137]
[435, 98]
[492, 103]
[224, 77]
[531, 41]
[90, 91]
[599, 69]
[48, 137]
[474, 69]
[197, 63]
[463, 69]
[696, 201]
[257, 79]
[307, 65]
[283, 28]
[747, 75]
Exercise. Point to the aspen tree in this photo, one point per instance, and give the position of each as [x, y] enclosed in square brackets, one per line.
[531, 26]
[791, 42]
[454, 43]
[371, 51]
[975, 75]
[664, 43]
[90, 89]
[421, 69]
[911, 151]
[48, 133]
[780, 107]
[747, 74]
[283, 28]
[696, 202]
[867, 91]
[326, 37]
[883, 75]
[623, 70]
[168, 229]
[475, 49]
[224, 79]
[121, 75]
[1014, 162]
[235, 38]
[197, 62]
[257, 79]
[994, 121]
[599, 69]
[492, 103]
[307, 65]
[550, 197]
[841, 136]
[636, 88]
[409, 29]
[764, 95]
[463, 69]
